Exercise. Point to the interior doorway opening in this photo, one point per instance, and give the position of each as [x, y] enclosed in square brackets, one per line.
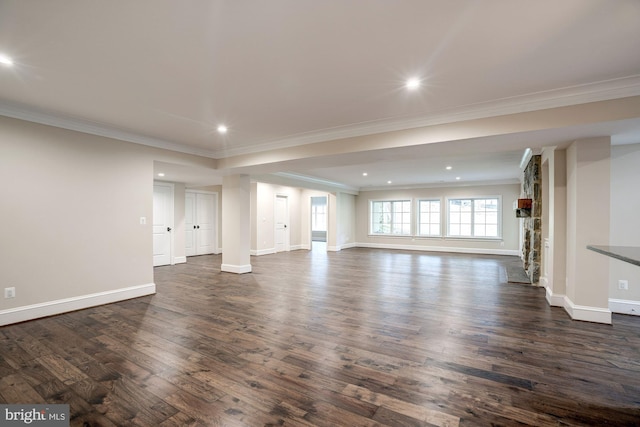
[319, 216]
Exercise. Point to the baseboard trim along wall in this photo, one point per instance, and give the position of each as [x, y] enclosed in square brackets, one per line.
[179, 259]
[238, 269]
[622, 306]
[440, 249]
[260, 252]
[554, 300]
[50, 308]
[586, 313]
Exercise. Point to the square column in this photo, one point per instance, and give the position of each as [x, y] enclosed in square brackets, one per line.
[588, 212]
[236, 224]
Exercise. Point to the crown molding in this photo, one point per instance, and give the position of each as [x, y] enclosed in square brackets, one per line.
[573, 95]
[568, 96]
[34, 115]
[440, 185]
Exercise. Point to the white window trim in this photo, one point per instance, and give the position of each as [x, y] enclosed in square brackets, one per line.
[417, 219]
[500, 212]
[370, 232]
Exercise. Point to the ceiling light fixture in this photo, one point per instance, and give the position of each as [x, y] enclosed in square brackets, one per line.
[413, 83]
[222, 129]
[457, 178]
[364, 174]
[160, 174]
[388, 182]
[4, 59]
[449, 168]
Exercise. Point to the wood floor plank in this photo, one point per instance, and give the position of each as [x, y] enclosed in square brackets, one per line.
[362, 337]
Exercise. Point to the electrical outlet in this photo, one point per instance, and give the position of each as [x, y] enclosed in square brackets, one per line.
[10, 292]
[623, 284]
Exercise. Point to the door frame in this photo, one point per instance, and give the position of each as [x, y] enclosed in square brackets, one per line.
[287, 229]
[216, 217]
[170, 217]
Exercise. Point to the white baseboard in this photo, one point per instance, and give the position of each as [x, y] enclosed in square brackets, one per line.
[179, 259]
[297, 247]
[554, 300]
[260, 252]
[439, 249]
[50, 308]
[349, 245]
[586, 313]
[238, 269]
[333, 248]
[623, 306]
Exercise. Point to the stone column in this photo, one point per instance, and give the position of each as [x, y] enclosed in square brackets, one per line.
[532, 246]
[236, 224]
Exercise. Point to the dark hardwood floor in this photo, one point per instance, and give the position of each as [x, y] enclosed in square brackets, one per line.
[362, 337]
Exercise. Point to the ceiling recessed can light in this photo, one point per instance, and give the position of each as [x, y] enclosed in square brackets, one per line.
[364, 174]
[222, 129]
[413, 83]
[4, 59]
[458, 178]
[160, 174]
[388, 182]
[449, 168]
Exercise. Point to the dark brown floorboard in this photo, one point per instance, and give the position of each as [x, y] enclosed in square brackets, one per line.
[362, 337]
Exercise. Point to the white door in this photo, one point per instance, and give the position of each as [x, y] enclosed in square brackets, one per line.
[205, 215]
[200, 223]
[162, 223]
[281, 222]
[190, 223]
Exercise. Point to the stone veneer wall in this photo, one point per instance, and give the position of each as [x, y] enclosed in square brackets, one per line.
[532, 241]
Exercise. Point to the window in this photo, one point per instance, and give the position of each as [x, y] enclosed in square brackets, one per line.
[474, 217]
[429, 218]
[391, 217]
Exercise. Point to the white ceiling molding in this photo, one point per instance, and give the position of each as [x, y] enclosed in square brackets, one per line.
[574, 95]
[448, 184]
[45, 118]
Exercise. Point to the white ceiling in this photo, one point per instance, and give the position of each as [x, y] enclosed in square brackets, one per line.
[284, 73]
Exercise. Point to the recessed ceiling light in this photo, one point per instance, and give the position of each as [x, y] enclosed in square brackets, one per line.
[413, 83]
[4, 59]
[160, 174]
[364, 174]
[388, 182]
[458, 178]
[222, 129]
[449, 168]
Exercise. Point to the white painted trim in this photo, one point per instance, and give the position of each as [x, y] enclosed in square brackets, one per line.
[305, 247]
[349, 245]
[623, 306]
[554, 300]
[439, 249]
[261, 252]
[51, 308]
[238, 269]
[587, 313]
[573, 95]
[333, 248]
[297, 247]
[179, 259]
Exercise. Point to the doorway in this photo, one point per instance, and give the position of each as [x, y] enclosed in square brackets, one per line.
[162, 223]
[281, 224]
[319, 223]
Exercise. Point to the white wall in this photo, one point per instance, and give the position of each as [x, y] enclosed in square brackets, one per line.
[265, 196]
[346, 220]
[624, 225]
[508, 245]
[71, 205]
